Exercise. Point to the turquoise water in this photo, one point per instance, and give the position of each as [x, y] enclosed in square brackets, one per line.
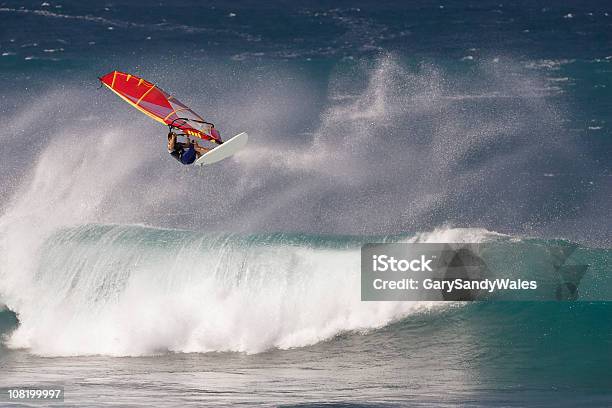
[133, 281]
[482, 354]
[122, 314]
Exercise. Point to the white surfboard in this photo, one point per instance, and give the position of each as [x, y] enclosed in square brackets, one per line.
[223, 151]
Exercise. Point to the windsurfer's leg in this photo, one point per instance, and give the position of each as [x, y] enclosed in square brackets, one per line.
[200, 150]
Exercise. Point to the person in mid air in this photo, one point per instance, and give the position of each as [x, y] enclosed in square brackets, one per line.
[185, 153]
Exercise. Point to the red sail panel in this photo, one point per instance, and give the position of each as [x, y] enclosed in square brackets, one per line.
[157, 104]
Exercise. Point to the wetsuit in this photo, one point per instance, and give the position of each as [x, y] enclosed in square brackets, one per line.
[185, 156]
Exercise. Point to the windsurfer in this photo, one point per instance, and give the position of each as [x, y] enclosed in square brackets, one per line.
[186, 152]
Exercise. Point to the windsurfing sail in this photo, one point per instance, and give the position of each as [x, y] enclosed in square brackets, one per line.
[159, 105]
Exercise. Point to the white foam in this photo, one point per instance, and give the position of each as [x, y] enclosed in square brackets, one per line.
[114, 297]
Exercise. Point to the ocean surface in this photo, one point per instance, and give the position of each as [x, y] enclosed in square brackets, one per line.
[132, 281]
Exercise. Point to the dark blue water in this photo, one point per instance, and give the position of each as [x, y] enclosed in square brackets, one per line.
[509, 103]
[366, 119]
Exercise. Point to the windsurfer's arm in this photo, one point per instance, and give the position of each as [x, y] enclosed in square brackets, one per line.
[171, 141]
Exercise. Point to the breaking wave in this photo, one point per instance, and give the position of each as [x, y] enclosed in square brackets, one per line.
[134, 290]
[128, 290]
